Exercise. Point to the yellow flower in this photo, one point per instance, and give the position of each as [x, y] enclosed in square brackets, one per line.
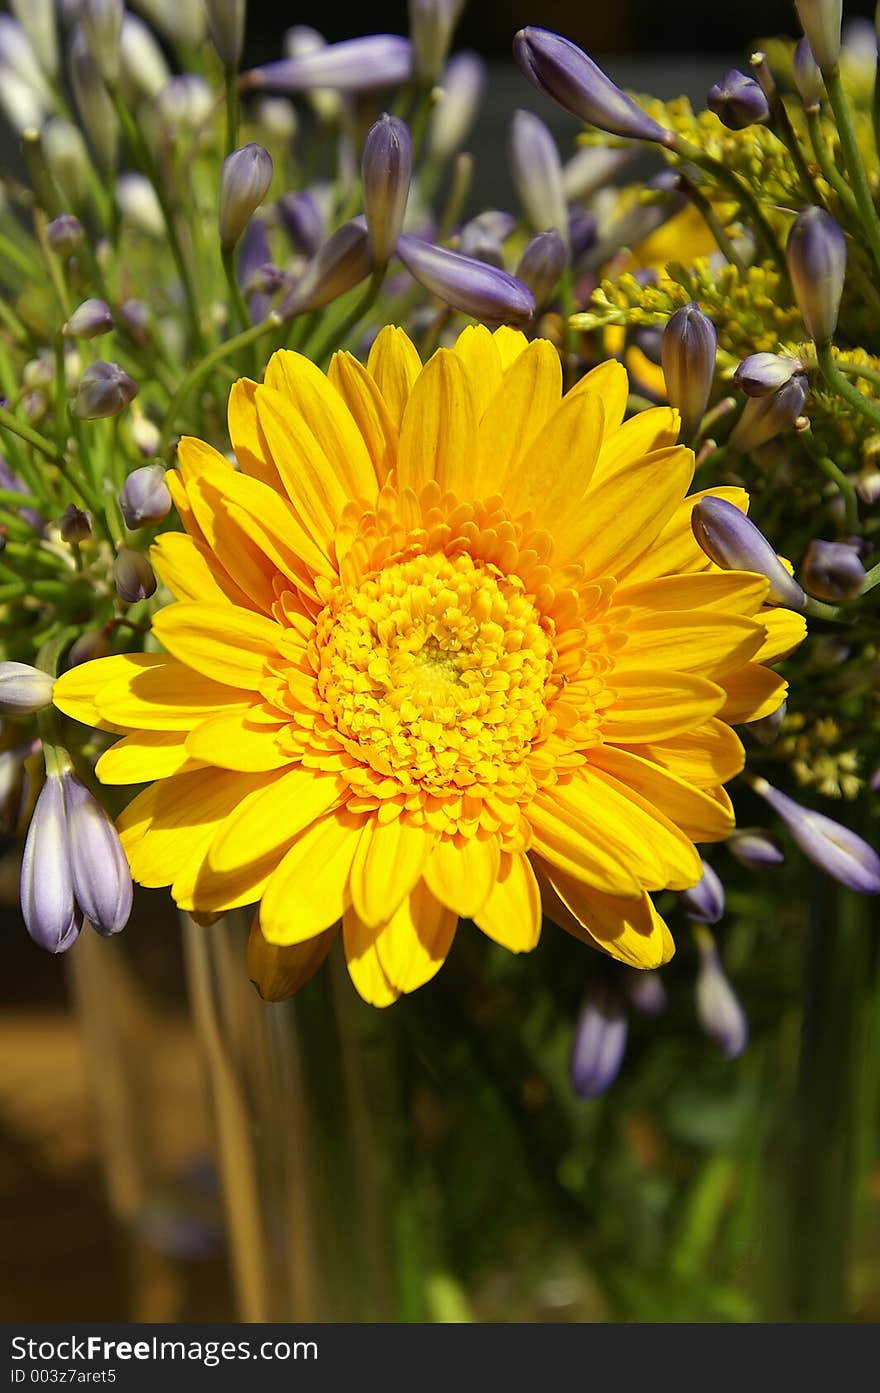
[443, 647]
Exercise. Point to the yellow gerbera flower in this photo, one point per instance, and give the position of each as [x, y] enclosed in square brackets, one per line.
[444, 646]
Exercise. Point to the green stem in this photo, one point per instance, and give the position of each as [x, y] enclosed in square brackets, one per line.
[857, 370]
[741, 192]
[872, 578]
[231, 110]
[713, 222]
[238, 301]
[855, 165]
[222, 350]
[843, 387]
[830, 173]
[25, 432]
[833, 472]
[339, 333]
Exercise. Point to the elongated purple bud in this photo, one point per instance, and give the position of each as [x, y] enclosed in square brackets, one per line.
[133, 576]
[821, 21]
[583, 234]
[807, 77]
[542, 263]
[599, 1043]
[537, 174]
[690, 343]
[563, 72]
[703, 903]
[755, 849]
[144, 497]
[355, 65]
[718, 1009]
[89, 320]
[65, 234]
[736, 544]
[104, 389]
[90, 645]
[761, 374]
[258, 277]
[816, 257]
[835, 849]
[485, 292]
[462, 86]
[832, 571]
[99, 870]
[303, 220]
[387, 172]
[74, 525]
[431, 25]
[48, 906]
[342, 261]
[483, 237]
[738, 101]
[646, 992]
[101, 22]
[764, 418]
[24, 689]
[244, 183]
[226, 27]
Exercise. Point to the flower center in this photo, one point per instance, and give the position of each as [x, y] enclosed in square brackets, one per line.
[434, 671]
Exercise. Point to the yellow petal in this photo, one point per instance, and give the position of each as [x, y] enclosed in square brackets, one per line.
[698, 814]
[570, 840]
[609, 382]
[706, 756]
[413, 945]
[623, 513]
[386, 866]
[689, 641]
[674, 550]
[149, 754]
[643, 434]
[309, 890]
[653, 706]
[438, 434]
[730, 592]
[785, 632]
[630, 930]
[233, 740]
[312, 396]
[752, 693]
[166, 695]
[278, 973]
[369, 410]
[510, 344]
[248, 440]
[462, 877]
[362, 957]
[394, 366]
[75, 691]
[512, 914]
[477, 349]
[530, 391]
[190, 572]
[555, 472]
[309, 477]
[227, 644]
[287, 805]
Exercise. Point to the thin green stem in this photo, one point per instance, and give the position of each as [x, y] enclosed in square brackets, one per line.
[830, 173]
[872, 578]
[843, 387]
[8, 421]
[232, 110]
[855, 165]
[235, 295]
[741, 192]
[222, 350]
[857, 370]
[832, 471]
[713, 222]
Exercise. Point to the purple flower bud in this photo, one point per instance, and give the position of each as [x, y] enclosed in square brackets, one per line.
[34, 406]
[101, 22]
[342, 261]
[90, 645]
[14, 784]
[483, 237]
[583, 233]
[356, 65]
[816, 257]
[185, 102]
[67, 159]
[484, 292]
[761, 374]
[704, 902]
[146, 435]
[226, 27]
[755, 849]
[537, 173]
[462, 86]
[690, 343]
[599, 1043]
[135, 317]
[89, 320]
[74, 525]
[24, 689]
[244, 183]
[593, 167]
[832, 571]
[646, 992]
[10, 480]
[254, 254]
[386, 171]
[144, 497]
[738, 101]
[734, 543]
[718, 1009]
[65, 234]
[134, 576]
[563, 72]
[542, 263]
[104, 389]
[431, 23]
[820, 21]
[763, 418]
[807, 77]
[836, 850]
[101, 878]
[48, 907]
[303, 220]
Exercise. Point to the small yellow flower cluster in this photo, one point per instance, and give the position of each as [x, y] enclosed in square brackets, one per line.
[808, 747]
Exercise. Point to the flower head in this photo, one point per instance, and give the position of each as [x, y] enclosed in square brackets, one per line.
[443, 647]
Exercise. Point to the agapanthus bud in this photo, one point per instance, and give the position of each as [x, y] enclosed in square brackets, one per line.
[537, 173]
[226, 27]
[763, 373]
[276, 116]
[182, 22]
[483, 237]
[74, 525]
[816, 257]
[755, 849]
[24, 689]
[703, 903]
[763, 418]
[244, 183]
[135, 317]
[133, 576]
[146, 435]
[485, 292]
[67, 159]
[10, 480]
[139, 205]
[23, 108]
[144, 497]
[718, 1010]
[431, 25]
[832, 571]
[738, 101]
[14, 784]
[646, 992]
[299, 41]
[337, 266]
[820, 21]
[93, 101]
[836, 850]
[144, 71]
[355, 65]
[37, 19]
[564, 73]
[807, 77]
[18, 56]
[48, 907]
[303, 220]
[386, 172]
[89, 320]
[599, 1043]
[185, 102]
[733, 542]
[583, 235]
[542, 263]
[104, 389]
[690, 343]
[461, 86]
[99, 870]
[90, 645]
[101, 22]
[593, 167]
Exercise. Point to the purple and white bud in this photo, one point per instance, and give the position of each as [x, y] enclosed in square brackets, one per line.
[807, 77]
[24, 689]
[104, 389]
[690, 343]
[485, 292]
[48, 907]
[244, 183]
[303, 220]
[144, 71]
[93, 101]
[646, 992]
[483, 237]
[74, 526]
[17, 57]
[563, 72]
[592, 168]
[761, 374]
[835, 849]
[542, 263]
[599, 1043]
[99, 869]
[144, 497]
[735, 544]
[37, 19]
[14, 784]
[462, 86]
[816, 257]
[755, 849]
[337, 266]
[23, 108]
[89, 320]
[718, 1010]
[738, 101]
[65, 234]
[67, 159]
[431, 25]
[583, 234]
[821, 21]
[133, 576]
[135, 317]
[764, 418]
[704, 902]
[832, 571]
[226, 27]
[386, 172]
[355, 65]
[185, 102]
[90, 645]
[299, 41]
[101, 22]
[537, 174]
